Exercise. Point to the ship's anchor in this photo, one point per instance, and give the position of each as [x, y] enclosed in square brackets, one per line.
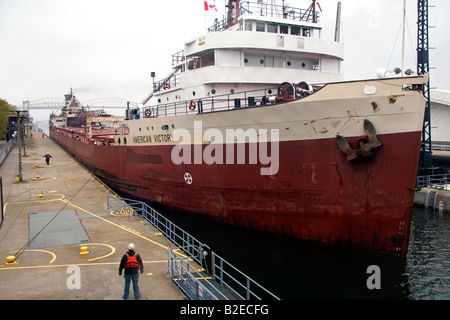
[364, 150]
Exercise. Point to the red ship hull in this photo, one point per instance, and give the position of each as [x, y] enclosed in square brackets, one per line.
[316, 195]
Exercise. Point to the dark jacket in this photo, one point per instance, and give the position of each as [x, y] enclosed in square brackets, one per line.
[133, 270]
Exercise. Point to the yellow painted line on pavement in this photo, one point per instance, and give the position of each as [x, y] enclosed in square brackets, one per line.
[116, 225]
[73, 264]
[62, 198]
[36, 250]
[113, 250]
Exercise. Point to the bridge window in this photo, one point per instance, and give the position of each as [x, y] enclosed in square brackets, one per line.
[272, 28]
[295, 31]
[248, 26]
[260, 27]
[284, 29]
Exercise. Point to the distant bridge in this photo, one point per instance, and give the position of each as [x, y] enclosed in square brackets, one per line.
[58, 103]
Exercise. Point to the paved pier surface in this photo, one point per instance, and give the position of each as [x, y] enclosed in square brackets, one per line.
[51, 267]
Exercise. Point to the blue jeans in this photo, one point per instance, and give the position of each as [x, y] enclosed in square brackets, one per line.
[128, 279]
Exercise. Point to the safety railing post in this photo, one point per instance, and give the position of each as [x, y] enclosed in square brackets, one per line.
[221, 272]
[213, 265]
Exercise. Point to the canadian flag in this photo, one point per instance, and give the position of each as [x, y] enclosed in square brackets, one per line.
[210, 6]
[320, 8]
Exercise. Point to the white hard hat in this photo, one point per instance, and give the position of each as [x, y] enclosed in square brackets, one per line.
[131, 246]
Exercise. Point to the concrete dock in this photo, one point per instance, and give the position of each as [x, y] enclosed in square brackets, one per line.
[55, 211]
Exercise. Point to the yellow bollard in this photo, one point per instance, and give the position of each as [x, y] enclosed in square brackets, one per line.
[37, 177]
[40, 196]
[84, 250]
[10, 260]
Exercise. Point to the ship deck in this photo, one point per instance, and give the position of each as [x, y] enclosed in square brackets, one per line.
[48, 268]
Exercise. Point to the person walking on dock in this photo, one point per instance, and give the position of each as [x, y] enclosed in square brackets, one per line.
[47, 158]
[132, 263]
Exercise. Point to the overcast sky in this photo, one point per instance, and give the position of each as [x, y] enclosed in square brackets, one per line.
[107, 48]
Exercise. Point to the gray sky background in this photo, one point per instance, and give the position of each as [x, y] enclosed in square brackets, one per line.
[107, 48]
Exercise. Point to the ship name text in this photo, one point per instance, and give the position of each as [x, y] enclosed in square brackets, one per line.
[157, 138]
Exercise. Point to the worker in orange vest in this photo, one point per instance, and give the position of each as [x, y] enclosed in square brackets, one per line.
[47, 158]
[132, 263]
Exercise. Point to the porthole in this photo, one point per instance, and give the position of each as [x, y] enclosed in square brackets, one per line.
[193, 93]
[303, 65]
[261, 61]
[213, 91]
[289, 63]
[232, 91]
[245, 60]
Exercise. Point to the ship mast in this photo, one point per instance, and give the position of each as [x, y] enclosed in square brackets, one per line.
[403, 44]
[310, 11]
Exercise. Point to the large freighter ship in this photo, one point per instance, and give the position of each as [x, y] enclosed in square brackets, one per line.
[256, 127]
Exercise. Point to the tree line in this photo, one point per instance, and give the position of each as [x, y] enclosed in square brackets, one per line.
[5, 110]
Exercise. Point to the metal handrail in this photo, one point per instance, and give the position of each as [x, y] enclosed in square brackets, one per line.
[172, 232]
[436, 181]
[245, 289]
[193, 283]
[224, 102]
[224, 283]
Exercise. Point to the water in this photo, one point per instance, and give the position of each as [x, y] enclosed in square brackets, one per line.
[299, 270]
[428, 261]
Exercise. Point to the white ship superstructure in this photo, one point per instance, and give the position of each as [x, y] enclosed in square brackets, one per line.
[263, 45]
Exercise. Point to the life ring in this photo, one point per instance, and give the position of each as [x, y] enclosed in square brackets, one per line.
[166, 86]
[192, 105]
[148, 113]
